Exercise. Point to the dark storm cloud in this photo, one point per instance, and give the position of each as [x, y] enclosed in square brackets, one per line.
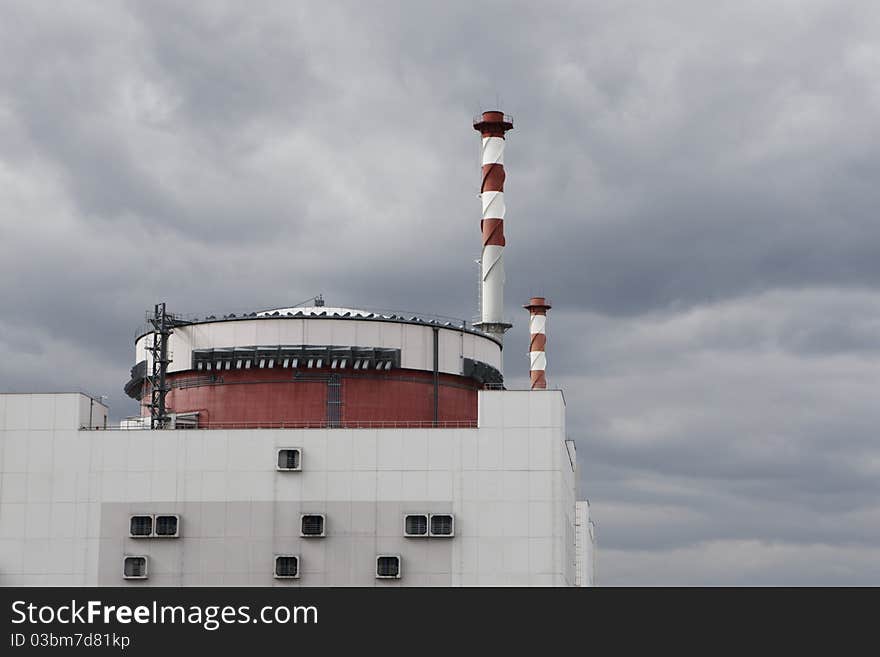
[693, 185]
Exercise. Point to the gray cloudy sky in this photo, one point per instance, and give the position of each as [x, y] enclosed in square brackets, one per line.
[693, 184]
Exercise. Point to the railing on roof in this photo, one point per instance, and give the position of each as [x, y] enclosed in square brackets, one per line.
[405, 314]
[319, 424]
[380, 313]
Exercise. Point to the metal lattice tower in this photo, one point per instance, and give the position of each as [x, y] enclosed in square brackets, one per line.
[162, 323]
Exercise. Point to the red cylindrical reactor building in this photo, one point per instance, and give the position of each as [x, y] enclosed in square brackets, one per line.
[322, 367]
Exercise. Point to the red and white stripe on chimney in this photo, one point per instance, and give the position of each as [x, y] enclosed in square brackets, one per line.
[492, 126]
[538, 308]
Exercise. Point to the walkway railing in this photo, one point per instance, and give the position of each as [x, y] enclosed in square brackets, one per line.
[344, 424]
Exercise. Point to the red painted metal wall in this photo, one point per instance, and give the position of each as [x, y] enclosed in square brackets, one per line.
[277, 398]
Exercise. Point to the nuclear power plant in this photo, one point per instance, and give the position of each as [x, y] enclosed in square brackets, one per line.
[311, 445]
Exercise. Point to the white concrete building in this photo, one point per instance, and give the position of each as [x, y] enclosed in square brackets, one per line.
[503, 495]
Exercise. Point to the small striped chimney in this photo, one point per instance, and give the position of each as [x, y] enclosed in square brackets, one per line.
[492, 126]
[538, 308]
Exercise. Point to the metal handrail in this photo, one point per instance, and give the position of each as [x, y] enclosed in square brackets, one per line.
[405, 315]
[344, 424]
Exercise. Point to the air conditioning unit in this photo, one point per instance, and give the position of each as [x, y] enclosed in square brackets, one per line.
[167, 526]
[286, 566]
[312, 525]
[415, 525]
[442, 525]
[145, 525]
[135, 567]
[388, 566]
[140, 526]
[289, 459]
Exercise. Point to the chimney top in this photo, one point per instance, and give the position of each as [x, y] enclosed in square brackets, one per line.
[537, 304]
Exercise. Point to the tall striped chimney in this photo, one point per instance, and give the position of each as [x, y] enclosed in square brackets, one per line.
[538, 308]
[492, 126]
